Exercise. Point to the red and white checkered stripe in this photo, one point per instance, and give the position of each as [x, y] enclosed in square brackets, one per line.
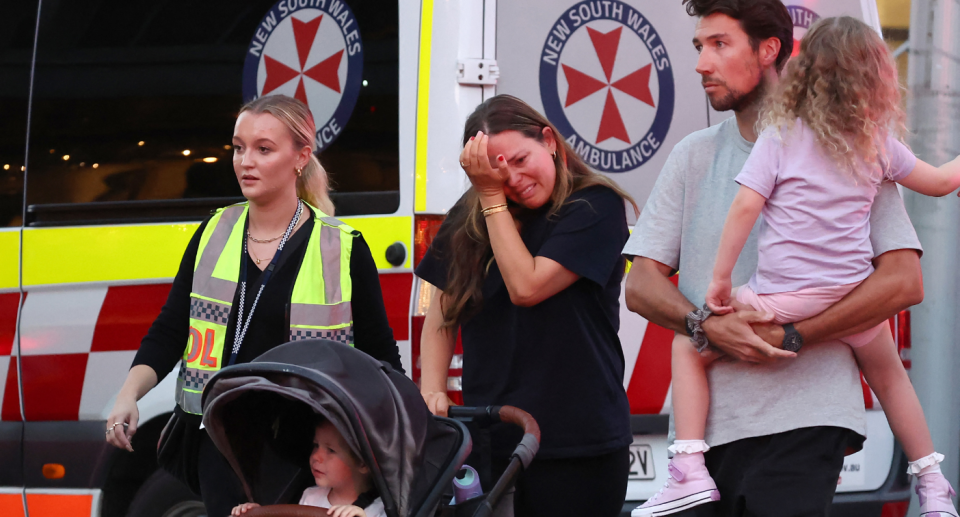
[77, 344]
[9, 401]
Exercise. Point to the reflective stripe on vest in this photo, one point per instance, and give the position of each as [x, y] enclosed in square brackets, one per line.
[320, 305]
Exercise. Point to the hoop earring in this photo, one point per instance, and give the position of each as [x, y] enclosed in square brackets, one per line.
[554, 154]
[299, 171]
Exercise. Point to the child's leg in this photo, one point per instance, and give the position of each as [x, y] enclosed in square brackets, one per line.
[691, 396]
[884, 372]
[688, 482]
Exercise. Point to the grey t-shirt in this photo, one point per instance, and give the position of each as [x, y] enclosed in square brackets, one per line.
[680, 227]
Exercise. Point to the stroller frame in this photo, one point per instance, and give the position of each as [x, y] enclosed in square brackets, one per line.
[339, 384]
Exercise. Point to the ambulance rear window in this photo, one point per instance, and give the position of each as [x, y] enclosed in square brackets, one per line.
[134, 103]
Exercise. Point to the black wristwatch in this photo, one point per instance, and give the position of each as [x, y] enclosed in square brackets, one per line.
[694, 324]
[792, 340]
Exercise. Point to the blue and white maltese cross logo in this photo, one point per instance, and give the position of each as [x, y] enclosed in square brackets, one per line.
[606, 82]
[310, 50]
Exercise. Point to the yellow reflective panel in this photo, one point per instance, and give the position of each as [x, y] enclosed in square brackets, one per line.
[381, 232]
[9, 258]
[423, 108]
[103, 253]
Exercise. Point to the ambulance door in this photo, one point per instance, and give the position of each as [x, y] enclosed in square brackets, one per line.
[454, 60]
[16, 53]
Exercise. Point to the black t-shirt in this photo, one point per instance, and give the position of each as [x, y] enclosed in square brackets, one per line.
[559, 360]
[164, 344]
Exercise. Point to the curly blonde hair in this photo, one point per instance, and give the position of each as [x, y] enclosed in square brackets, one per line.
[843, 86]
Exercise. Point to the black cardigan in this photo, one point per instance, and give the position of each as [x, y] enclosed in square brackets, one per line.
[164, 344]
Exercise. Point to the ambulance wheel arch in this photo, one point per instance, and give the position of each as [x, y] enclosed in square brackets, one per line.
[136, 486]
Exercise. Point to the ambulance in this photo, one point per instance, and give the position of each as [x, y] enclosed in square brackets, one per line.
[116, 118]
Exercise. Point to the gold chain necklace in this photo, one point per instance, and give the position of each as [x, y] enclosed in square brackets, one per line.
[255, 255]
[262, 241]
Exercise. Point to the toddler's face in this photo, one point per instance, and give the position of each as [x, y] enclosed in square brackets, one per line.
[331, 462]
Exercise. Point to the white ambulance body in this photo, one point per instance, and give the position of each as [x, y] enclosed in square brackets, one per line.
[98, 240]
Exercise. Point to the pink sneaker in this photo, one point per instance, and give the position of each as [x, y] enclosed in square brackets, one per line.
[688, 485]
[934, 492]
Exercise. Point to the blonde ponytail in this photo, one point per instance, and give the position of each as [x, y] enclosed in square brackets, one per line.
[313, 185]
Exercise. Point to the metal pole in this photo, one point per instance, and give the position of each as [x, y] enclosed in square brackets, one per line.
[933, 107]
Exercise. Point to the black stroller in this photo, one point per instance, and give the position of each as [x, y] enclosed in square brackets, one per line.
[258, 415]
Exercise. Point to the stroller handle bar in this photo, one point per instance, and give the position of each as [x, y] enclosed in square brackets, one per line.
[522, 455]
[286, 510]
[519, 417]
[484, 416]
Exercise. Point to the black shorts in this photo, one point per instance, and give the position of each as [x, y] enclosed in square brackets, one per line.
[789, 474]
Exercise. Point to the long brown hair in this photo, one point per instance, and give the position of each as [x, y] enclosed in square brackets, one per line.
[313, 185]
[466, 232]
[843, 86]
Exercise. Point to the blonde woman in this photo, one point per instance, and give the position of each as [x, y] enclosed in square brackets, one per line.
[255, 275]
[829, 138]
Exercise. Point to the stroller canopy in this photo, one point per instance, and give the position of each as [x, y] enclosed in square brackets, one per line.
[261, 417]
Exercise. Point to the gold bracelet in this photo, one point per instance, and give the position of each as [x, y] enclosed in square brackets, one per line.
[494, 209]
[490, 209]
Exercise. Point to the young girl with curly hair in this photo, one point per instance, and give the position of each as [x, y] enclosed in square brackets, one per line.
[828, 137]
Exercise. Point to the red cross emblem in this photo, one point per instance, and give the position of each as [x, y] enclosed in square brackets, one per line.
[325, 72]
[635, 84]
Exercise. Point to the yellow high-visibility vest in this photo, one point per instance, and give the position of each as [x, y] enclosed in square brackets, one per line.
[319, 305]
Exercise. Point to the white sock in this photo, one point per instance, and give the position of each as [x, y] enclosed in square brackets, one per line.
[929, 464]
[688, 447]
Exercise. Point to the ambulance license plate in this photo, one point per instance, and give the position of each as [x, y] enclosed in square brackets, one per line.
[641, 462]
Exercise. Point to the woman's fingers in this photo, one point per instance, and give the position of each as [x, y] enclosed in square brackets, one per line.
[483, 162]
[466, 155]
[119, 432]
[437, 402]
[121, 426]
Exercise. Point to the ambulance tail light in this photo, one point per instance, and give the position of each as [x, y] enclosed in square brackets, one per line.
[895, 509]
[425, 227]
[900, 324]
[454, 380]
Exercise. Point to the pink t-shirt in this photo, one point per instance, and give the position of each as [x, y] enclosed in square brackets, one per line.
[815, 229]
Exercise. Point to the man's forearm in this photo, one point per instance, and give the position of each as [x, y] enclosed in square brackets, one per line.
[651, 294]
[897, 283]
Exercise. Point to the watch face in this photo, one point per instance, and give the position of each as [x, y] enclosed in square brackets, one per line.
[792, 343]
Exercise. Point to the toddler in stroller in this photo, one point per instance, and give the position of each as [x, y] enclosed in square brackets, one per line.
[262, 416]
[343, 481]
